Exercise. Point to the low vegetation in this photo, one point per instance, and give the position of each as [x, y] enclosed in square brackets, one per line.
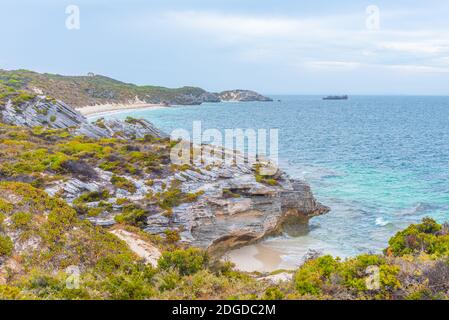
[261, 178]
[88, 90]
[50, 239]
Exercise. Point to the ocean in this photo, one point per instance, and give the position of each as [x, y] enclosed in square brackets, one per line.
[379, 162]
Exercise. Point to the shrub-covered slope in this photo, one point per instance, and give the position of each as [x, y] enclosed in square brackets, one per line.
[89, 90]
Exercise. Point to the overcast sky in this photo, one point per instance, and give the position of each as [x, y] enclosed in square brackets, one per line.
[272, 46]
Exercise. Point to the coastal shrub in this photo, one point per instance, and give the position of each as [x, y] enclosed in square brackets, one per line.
[428, 237]
[273, 293]
[183, 167]
[168, 280]
[78, 148]
[112, 166]
[92, 197]
[5, 206]
[262, 178]
[102, 207]
[186, 262]
[313, 275]
[21, 220]
[134, 283]
[172, 236]
[174, 197]
[122, 201]
[123, 183]
[149, 182]
[132, 120]
[131, 214]
[326, 274]
[134, 155]
[6, 245]
[22, 97]
[100, 123]
[78, 168]
[354, 273]
[38, 160]
[11, 293]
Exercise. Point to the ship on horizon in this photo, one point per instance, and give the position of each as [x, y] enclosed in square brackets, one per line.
[344, 97]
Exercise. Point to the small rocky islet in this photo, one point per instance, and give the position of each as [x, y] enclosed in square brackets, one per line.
[105, 198]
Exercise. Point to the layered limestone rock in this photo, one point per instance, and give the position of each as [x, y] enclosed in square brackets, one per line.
[42, 111]
[236, 210]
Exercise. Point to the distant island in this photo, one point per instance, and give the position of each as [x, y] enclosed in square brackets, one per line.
[242, 95]
[95, 90]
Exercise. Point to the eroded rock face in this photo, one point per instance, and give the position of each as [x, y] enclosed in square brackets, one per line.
[51, 113]
[255, 212]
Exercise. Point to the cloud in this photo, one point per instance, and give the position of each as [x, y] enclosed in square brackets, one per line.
[418, 69]
[336, 65]
[423, 47]
[333, 42]
[237, 26]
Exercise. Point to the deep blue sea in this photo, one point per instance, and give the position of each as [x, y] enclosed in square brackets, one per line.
[380, 162]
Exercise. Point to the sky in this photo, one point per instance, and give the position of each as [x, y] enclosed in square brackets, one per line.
[271, 46]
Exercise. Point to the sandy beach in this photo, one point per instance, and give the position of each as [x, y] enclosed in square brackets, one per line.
[90, 111]
[256, 258]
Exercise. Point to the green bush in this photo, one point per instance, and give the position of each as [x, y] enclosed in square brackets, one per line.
[262, 178]
[21, 220]
[273, 293]
[326, 274]
[5, 206]
[6, 246]
[427, 237]
[123, 183]
[132, 215]
[174, 197]
[187, 261]
[311, 277]
[92, 197]
[172, 236]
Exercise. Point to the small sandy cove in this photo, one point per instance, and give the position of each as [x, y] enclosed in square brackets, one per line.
[90, 111]
[256, 257]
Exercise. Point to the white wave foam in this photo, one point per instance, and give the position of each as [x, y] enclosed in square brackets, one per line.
[381, 222]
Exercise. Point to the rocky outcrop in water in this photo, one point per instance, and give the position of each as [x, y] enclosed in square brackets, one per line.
[242, 95]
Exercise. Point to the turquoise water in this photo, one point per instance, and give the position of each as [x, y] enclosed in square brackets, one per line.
[379, 162]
